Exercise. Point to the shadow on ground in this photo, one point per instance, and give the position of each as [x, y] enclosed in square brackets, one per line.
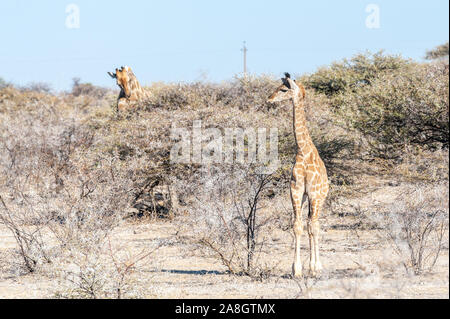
[193, 272]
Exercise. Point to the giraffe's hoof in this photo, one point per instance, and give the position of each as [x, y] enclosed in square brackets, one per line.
[315, 267]
[297, 271]
[318, 266]
[316, 271]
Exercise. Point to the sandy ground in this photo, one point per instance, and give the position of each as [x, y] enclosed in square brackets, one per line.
[356, 266]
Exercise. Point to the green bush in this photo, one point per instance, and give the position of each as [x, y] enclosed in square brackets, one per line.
[350, 75]
[393, 102]
[441, 51]
[408, 106]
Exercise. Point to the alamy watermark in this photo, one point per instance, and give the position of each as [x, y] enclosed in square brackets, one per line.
[211, 146]
[73, 17]
[373, 19]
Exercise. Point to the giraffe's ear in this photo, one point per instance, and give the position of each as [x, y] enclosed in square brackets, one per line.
[113, 75]
[287, 81]
[292, 84]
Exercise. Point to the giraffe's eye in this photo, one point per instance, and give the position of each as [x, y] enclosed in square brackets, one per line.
[283, 90]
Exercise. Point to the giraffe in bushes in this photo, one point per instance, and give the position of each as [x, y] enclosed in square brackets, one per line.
[131, 92]
[309, 175]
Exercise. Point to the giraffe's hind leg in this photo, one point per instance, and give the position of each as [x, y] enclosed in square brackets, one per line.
[315, 207]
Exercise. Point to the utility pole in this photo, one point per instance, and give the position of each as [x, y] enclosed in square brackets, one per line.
[244, 49]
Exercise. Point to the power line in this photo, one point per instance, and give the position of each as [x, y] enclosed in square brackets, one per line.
[244, 49]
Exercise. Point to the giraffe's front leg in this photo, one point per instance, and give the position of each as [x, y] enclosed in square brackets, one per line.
[297, 192]
[297, 270]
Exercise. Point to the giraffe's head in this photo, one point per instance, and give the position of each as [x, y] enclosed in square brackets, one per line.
[123, 77]
[288, 90]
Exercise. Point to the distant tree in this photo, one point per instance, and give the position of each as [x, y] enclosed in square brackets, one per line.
[40, 87]
[3, 83]
[441, 51]
[79, 88]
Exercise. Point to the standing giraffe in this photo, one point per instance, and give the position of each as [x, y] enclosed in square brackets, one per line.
[309, 175]
[131, 91]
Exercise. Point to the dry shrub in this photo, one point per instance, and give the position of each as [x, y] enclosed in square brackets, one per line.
[88, 89]
[32, 247]
[231, 219]
[105, 270]
[249, 93]
[416, 226]
[62, 200]
[423, 166]
[243, 93]
[177, 96]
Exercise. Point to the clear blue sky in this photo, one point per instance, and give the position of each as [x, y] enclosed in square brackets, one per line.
[186, 39]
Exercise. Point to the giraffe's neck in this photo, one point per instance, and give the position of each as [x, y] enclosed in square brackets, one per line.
[135, 88]
[137, 92]
[301, 133]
